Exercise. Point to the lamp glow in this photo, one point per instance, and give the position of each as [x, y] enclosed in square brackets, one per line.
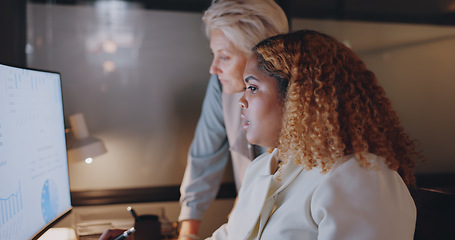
[82, 146]
[88, 160]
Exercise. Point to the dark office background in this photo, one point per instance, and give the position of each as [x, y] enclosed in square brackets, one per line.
[440, 12]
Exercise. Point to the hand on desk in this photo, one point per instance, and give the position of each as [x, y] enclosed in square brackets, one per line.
[188, 231]
[111, 234]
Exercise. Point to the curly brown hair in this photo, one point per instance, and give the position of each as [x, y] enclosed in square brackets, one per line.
[334, 105]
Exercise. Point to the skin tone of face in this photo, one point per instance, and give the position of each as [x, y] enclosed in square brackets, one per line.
[228, 62]
[262, 106]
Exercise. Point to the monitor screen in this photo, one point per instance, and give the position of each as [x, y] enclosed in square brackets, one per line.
[34, 182]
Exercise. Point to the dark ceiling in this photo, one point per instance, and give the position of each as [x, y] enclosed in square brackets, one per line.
[440, 12]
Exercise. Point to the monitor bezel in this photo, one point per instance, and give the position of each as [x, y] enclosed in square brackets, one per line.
[52, 223]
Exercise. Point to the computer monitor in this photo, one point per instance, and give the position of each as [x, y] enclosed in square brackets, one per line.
[34, 181]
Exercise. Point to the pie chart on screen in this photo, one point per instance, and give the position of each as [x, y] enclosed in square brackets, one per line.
[49, 200]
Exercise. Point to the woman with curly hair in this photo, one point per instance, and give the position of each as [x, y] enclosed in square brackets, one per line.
[342, 162]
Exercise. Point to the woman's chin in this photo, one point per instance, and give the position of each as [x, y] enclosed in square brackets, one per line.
[260, 141]
[253, 140]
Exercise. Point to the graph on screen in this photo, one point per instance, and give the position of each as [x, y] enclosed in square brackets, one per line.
[11, 213]
[34, 183]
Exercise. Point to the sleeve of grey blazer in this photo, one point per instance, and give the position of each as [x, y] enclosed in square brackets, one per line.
[207, 157]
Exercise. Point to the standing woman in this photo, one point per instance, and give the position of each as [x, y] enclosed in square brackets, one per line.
[342, 161]
[233, 27]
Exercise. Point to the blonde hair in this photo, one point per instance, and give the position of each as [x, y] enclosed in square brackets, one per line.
[334, 105]
[245, 22]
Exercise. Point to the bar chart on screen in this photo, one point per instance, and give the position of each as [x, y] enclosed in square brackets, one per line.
[11, 208]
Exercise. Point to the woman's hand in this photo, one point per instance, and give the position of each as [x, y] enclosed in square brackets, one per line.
[189, 230]
[111, 234]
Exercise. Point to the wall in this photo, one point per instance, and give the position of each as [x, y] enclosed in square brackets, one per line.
[139, 77]
[146, 109]
[12, 24]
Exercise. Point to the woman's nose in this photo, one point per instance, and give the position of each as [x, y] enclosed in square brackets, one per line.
[242, 101]
[214, 69]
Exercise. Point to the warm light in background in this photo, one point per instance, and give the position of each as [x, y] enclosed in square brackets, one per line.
[81, 146]
[109, 46]
[108, 66]
[88, 160]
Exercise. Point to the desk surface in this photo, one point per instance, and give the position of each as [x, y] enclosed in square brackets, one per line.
[119, 217]
[59, 234]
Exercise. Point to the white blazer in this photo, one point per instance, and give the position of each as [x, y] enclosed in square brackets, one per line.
[347, 203]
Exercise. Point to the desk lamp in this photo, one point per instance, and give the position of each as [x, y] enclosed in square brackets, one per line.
[80, 145]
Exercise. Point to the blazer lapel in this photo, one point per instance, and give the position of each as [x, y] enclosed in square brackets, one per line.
[252, 206]
[288, 172]
[251, 200]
